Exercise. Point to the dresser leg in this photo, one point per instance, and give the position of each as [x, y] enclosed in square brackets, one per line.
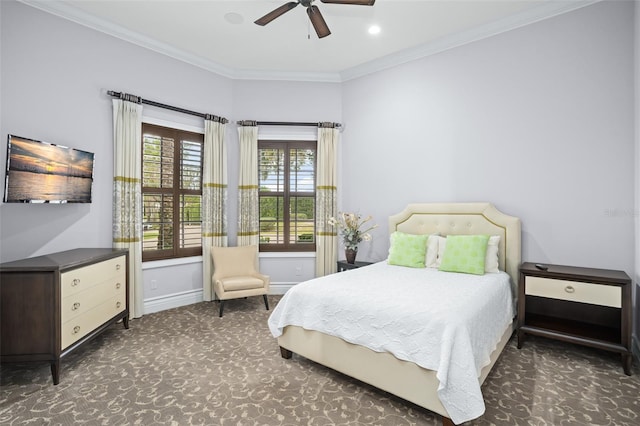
[125, 321]
[55, 371]
[626, 363]
[520, 339]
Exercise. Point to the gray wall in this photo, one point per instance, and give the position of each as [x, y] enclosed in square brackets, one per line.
[637, 189]
[538, 120]
[54, 75]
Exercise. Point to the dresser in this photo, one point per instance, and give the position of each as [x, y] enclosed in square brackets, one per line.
[585, 306]
[51, 305]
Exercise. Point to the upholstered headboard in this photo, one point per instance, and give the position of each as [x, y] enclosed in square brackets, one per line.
[465, 219]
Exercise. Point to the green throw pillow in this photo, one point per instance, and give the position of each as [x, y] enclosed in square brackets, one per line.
[465, 253]
[408, 250]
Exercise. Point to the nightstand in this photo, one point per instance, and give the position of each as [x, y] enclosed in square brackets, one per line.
[344, 266]
[587, 306]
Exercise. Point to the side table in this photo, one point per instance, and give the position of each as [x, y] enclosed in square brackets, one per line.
[586, 306]
[344, 266]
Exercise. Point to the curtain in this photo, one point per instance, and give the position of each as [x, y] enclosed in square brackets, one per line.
[248, 215]
[326, 204]
[127, 192]
[214, 198]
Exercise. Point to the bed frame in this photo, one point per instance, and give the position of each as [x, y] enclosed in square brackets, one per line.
[382, 370]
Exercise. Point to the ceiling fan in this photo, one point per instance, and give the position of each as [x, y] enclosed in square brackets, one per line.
[314, 13]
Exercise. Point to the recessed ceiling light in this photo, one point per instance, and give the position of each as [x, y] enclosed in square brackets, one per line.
[233, 18]
[374, 29]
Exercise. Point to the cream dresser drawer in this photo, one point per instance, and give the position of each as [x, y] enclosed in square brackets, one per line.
[81, 302]
[83, 324]
[574, 291]
[86, 277]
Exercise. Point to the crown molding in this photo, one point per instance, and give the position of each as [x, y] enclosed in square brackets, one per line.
[546, 10]
[78, 16]
[323, 77]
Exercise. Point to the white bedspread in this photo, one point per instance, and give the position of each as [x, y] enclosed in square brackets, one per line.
[442, 321]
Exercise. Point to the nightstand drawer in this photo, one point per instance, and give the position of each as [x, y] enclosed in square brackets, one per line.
[574, 291]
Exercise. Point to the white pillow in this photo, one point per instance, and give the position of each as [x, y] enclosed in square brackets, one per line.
[431, 259]
[491, 258]
[442, 244]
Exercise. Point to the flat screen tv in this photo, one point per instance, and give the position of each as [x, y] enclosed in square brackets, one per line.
[41, 172]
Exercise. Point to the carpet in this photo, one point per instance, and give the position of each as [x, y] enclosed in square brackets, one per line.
[186, 366]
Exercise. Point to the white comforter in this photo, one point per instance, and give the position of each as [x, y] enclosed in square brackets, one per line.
[442, 321]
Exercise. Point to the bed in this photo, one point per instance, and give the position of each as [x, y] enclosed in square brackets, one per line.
[439, 374]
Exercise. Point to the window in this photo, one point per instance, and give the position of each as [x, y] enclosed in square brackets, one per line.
[171, 192]
[287, 179]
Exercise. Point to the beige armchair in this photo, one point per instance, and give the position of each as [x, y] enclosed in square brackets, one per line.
[236, 274]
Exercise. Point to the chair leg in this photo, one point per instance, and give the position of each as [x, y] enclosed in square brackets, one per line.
[221, 307]
[266, 302]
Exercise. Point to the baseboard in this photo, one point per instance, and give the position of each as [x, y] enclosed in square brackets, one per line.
[175, 300]
[170, 301]
[280, 288]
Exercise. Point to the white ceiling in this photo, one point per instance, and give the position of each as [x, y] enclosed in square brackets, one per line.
[221, 36]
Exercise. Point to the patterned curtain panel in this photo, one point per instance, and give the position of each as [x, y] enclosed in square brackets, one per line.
[326, 204]
[127, 192]
[214, 199]
[248, 218]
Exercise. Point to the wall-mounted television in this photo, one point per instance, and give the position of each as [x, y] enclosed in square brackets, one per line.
[41, 172]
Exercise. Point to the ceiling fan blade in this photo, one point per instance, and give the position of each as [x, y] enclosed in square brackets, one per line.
[276, 12]
[318, 21]
[358, 2]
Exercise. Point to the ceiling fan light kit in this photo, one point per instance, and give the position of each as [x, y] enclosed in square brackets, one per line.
[316, 18]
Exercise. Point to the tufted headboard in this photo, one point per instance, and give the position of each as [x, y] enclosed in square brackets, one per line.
[465, 219]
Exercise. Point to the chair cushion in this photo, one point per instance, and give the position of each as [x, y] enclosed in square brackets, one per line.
[241, 283]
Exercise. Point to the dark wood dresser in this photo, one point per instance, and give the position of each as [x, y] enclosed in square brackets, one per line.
[51, 305]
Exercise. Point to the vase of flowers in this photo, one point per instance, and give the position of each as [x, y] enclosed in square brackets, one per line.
[350, 254]
[353, 229]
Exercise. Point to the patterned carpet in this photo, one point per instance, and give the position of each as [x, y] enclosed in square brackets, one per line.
[186, 366]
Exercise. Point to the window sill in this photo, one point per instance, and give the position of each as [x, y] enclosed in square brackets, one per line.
[289, 254]
[164, 263]
[171, 262]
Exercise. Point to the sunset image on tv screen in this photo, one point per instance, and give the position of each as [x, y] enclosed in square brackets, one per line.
[42, 172]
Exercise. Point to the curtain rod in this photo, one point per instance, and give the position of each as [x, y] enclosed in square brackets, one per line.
[287, 123]
[138, 99]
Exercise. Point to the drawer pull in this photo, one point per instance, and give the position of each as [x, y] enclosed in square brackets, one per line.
[118, 267]
[117, 286]
[76, 329]
[75, 282]
[76, 306]
[118, 304]
[569, 289]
